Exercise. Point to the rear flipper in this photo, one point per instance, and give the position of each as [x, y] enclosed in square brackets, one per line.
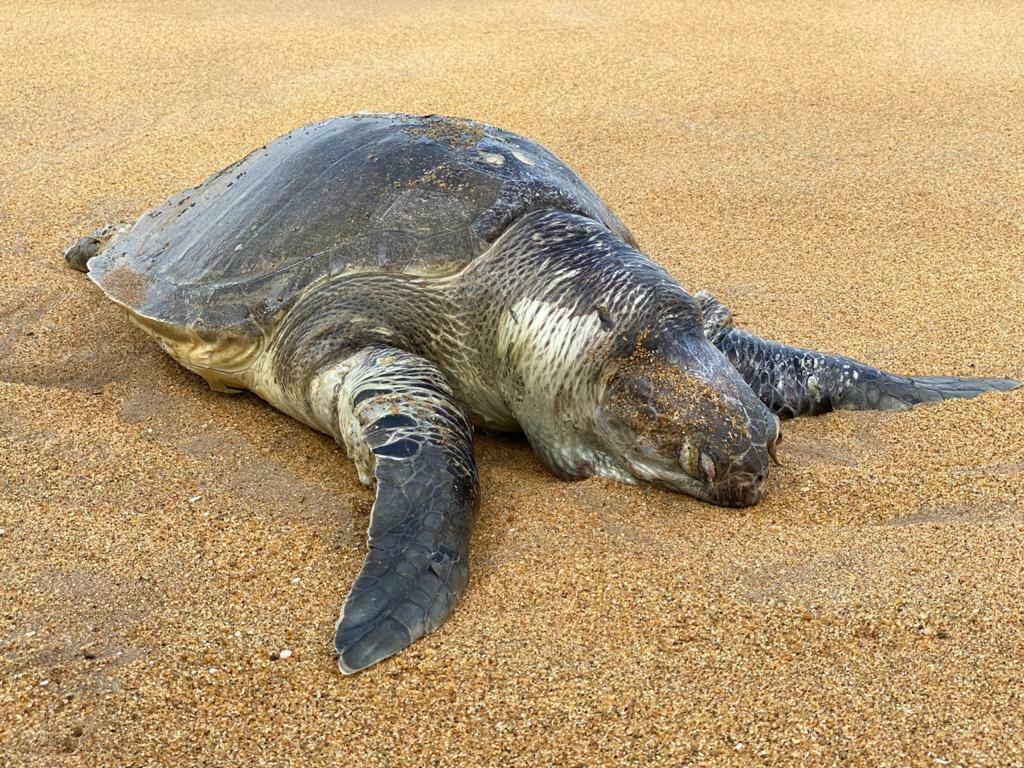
[398, 419]
[79, 252]
[796, 382]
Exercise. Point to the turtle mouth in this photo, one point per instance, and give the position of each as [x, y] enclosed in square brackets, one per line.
[666, 478]
[738, 490]
[744, 491]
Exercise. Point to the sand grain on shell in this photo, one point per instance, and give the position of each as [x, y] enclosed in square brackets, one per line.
[848, 177]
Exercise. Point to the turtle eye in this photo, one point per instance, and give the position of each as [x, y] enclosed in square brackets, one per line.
[689, 459]
[696, 463]
[707, 467]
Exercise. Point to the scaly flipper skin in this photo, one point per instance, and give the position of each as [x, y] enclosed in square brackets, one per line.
[797, 382]
[398, 420]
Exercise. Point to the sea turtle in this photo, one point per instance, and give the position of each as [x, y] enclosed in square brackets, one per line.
[391, 280]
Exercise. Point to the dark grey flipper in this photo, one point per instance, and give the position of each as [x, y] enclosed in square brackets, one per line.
[796, 382]
[397, 416]
[77, 254]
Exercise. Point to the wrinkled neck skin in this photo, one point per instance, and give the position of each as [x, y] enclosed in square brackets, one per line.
[562, 297]
[527, 334]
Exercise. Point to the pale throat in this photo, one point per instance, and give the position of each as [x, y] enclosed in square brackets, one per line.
[552, 381]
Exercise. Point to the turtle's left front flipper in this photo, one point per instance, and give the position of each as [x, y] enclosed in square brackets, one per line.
[796, 382]
[402, 426]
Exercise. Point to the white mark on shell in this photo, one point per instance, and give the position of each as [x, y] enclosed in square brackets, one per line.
[522, 157]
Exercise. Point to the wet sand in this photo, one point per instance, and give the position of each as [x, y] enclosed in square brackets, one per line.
[848, 177]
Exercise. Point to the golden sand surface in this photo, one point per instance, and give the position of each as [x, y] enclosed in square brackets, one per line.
[846, 176]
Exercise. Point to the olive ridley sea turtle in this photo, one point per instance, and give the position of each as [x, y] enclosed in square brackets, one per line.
[391, 280]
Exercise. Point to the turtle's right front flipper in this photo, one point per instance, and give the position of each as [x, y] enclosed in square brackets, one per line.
[400, 423]
[796, 382]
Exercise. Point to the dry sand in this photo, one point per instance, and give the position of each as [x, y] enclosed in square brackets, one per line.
[847, 177]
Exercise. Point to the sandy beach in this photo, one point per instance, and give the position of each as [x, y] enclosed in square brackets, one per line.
[846, 177]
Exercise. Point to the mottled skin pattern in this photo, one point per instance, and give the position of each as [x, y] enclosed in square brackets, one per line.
[396, 416]
[390, 279]
[802, 382]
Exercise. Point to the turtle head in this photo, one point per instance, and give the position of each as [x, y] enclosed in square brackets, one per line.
[675, 413]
